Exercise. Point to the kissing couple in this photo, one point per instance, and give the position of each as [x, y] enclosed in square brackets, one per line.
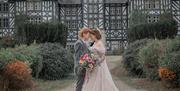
[100, 78]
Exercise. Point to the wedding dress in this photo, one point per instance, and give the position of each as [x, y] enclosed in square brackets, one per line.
[100, 79]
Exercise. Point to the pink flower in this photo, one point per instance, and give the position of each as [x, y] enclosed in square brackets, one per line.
[86, 56]
[90, 61]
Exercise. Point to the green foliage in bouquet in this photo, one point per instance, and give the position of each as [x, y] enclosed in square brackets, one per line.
[57, 61]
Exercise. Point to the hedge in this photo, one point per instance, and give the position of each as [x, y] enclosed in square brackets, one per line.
[27, 33]
[166, 27]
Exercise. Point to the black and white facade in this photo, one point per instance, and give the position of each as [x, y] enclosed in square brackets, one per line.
[108, 15]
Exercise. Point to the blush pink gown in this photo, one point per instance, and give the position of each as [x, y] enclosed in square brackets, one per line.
[100, 79]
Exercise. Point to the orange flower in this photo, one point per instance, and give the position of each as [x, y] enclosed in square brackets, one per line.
[18, 75]
[81, 61]
[166, 74]
[17, 69]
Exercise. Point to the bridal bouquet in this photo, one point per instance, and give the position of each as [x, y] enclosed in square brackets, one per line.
[88, 61]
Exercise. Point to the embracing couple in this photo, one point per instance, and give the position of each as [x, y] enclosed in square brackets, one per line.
[100, 78]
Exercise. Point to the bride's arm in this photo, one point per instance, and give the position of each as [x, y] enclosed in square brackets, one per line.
[101, 51]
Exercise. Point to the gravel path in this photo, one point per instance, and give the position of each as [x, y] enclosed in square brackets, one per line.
[112, 63]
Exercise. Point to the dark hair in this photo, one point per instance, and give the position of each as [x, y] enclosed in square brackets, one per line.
[96, 33]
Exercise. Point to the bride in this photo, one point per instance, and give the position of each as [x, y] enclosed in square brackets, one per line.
[100, 79]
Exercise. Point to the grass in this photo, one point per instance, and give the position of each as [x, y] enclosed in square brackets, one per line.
[45, 85]
[140, 83]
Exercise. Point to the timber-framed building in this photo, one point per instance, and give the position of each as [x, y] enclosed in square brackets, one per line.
[109, 15]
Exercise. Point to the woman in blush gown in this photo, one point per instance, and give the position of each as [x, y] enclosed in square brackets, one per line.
[100, 79]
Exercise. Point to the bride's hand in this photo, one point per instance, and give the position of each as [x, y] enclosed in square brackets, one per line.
[91, 49]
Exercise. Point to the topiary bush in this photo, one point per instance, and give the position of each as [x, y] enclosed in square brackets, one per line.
[130, 57]
[166, 27]
[41, 33]
[17, 75]
[57, 61]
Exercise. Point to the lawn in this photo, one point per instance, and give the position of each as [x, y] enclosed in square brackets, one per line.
[140, 83]
[44, 85]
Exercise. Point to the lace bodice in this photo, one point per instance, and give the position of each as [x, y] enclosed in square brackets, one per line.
[99, 49]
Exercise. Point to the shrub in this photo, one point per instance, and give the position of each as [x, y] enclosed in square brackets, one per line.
[57, 61]
[148, 58]
[28, 54]
[165, 28]
[130, 57]
[171, 61]
[6, 42]
[17, 74]
[171, 58]
[41, 33]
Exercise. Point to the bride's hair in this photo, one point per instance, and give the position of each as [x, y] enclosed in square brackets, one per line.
[96, 33]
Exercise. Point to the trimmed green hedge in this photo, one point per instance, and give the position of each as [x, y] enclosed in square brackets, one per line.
[165, 28]
[41, 33]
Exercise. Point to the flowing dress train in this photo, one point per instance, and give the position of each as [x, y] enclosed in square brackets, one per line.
[100, 79]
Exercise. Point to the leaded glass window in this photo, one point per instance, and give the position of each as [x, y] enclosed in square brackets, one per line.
[112, 10]
[30, 6]
[112, 24]
[152, 4]
[4, 22]
[35, 20]
[73, 23]
[4, 7]
[73, 11]
[68, 23]
[152, 19]
[119, 25]
[91, 8]
[118, 11]
[37, 6]
[68, 11]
